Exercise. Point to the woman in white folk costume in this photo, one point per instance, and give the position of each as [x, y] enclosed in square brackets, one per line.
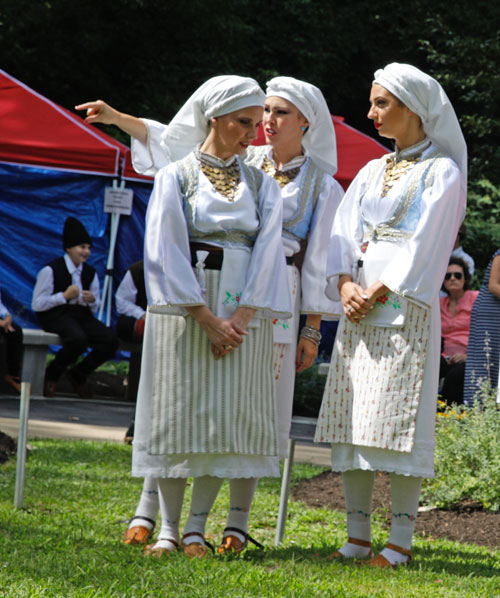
[301, 155]
[392, 237]
[216, 277]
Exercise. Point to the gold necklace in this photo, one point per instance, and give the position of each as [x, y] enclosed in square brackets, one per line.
[395, 170]
[224, 179]
[283, 177]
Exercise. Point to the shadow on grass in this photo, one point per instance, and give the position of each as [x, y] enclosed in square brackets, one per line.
[454, 561]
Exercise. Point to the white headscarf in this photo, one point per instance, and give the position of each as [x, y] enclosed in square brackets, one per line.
[424, 95]
[216, 97]
[319, 141]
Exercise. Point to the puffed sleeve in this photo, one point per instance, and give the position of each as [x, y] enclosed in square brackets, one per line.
[417, 269]
[344, 248]
[148, 158]
[166, 249]
[313, 272]
[266, 287]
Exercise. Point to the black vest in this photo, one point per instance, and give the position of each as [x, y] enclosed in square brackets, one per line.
[137, 273]
[62, 280]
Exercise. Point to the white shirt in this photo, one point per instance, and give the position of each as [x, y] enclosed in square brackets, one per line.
[44, 297]
[125, 298]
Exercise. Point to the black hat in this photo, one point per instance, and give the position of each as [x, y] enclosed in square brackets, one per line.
[74, 233]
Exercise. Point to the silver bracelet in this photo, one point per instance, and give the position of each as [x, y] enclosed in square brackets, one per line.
[311, 334]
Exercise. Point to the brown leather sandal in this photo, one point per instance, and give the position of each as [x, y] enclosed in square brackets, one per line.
[382, 562]
[160, 551]
[231, 543]
[138, 534]
[364, 543]
[196, 549]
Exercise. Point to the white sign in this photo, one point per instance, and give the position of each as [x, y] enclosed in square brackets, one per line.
[118, 201]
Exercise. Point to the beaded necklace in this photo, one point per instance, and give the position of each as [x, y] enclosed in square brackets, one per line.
[225, 179]
[395, 170]
[283, 177]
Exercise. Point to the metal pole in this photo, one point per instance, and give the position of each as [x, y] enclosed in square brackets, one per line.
[24, 410]
[285, 489]
[107, 290]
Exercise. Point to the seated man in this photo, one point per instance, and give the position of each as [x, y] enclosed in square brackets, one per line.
[13, 338]
[65, 299]
[131, 304]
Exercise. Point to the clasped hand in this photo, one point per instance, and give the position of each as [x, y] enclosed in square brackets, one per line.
[356, 301]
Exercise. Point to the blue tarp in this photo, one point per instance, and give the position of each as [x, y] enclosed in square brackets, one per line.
[34, 203]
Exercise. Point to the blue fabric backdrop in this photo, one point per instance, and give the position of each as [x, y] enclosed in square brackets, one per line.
[34, 203]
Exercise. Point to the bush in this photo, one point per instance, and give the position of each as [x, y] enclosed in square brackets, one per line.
[309, 387]
[467, 458]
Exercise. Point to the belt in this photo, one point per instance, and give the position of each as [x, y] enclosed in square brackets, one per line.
[214, 258]
[290, 261]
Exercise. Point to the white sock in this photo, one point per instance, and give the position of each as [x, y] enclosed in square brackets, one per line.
[205, 490]
[405, 492]
[241, 492]
[171, 497]
[358, 488]
[148, 505]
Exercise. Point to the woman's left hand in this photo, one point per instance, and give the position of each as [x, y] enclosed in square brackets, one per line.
[307, 352]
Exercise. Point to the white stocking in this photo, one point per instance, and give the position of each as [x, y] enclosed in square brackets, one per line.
[147, 509]
[241, 492]
[205, 490]
[171, 496]
[405, 492]
[358, 488]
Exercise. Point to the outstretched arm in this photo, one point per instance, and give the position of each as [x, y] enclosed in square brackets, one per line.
[100, 112]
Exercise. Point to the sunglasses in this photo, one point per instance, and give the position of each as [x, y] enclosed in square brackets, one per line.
[457, 275]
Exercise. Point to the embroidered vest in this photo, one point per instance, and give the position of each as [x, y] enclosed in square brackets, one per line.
[401, 225]
[187, 175]
[297, 226]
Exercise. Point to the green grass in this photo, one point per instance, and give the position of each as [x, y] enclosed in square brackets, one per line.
[66, 542]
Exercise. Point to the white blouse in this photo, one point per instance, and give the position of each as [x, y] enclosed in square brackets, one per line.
[171, 281]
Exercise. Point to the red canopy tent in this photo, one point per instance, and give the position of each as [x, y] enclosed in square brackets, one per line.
[38, 132]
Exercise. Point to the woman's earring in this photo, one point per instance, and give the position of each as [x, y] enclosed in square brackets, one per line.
[304, 128]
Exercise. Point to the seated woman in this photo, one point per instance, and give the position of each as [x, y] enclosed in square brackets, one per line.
[456, 308]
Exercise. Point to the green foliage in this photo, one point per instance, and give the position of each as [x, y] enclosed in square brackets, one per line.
[483, 225]
[309, 386]
[467, 458]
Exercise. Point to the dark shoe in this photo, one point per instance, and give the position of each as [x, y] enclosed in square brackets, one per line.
[79, 387]
[49, 388]
[14, 381]
[129, 434]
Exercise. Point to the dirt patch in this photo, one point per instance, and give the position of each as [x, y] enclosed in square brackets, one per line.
[467, 523]
[7, 447]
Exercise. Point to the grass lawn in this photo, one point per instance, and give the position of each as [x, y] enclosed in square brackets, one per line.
[66, 542]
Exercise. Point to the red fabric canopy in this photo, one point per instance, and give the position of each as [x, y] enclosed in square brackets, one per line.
[38, 132]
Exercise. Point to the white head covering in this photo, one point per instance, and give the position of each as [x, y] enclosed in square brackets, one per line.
[319, 141]
[424, 95]
[216, 97]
